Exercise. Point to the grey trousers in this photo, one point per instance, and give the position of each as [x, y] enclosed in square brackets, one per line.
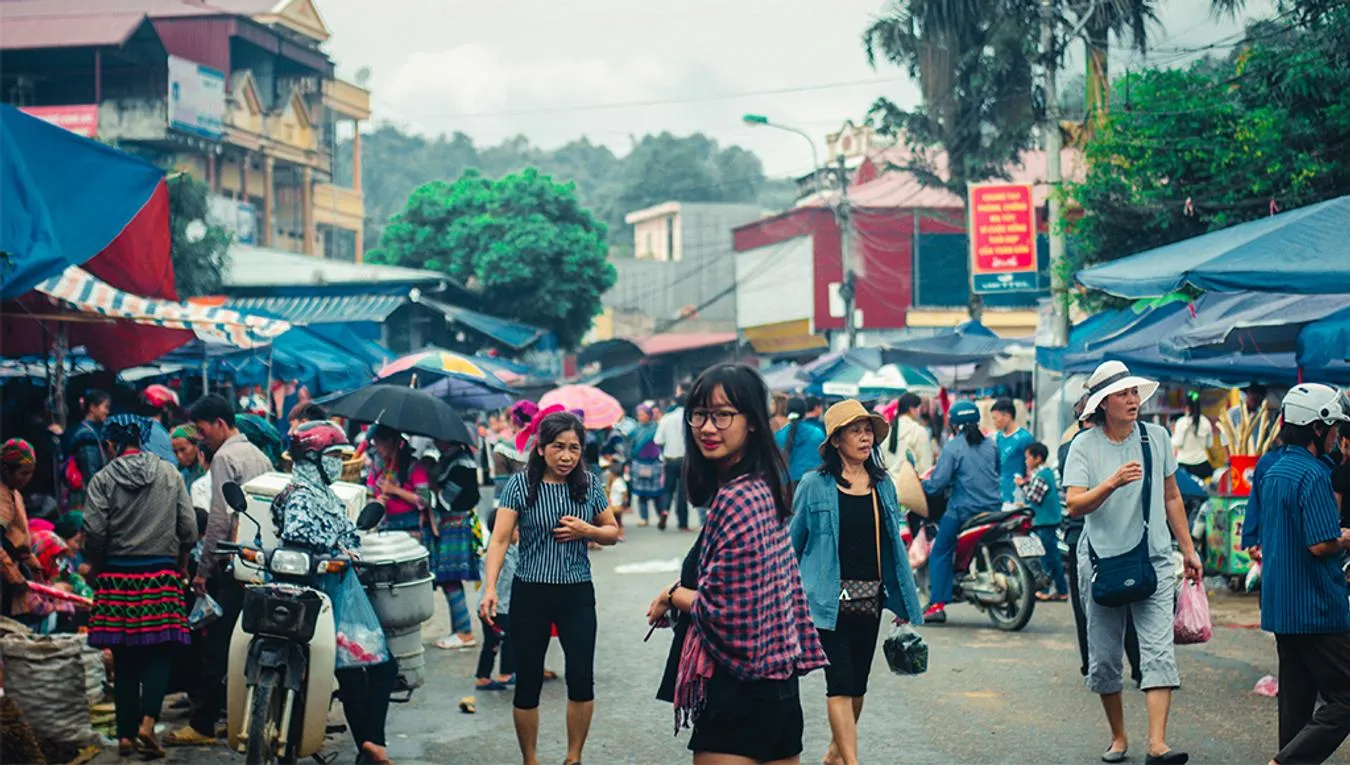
[1106, 631]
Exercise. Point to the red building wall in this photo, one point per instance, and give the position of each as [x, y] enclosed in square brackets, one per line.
[205, 41]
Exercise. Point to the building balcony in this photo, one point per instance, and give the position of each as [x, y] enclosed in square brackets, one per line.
[339, 207]
[346, 99]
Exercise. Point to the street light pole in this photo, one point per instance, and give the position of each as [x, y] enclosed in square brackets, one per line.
[759, 120]
[1059, 287]
[847, 287]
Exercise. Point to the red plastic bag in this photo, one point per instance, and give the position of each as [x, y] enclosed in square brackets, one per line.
[1192, 624]
[919, 548]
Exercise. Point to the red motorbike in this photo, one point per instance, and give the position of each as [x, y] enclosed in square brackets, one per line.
[998, 566]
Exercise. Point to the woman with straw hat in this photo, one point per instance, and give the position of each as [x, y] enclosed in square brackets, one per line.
[846, 532]
[1120, 477]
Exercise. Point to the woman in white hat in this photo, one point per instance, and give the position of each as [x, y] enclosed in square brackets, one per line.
[1129, 499]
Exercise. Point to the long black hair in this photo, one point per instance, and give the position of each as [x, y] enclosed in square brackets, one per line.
[795, 405]
[971, 430]
[1193, 411]
[403, 458]
[907, 402]
[832, 464]
[748, 394]
[92, 398]
[579, 480]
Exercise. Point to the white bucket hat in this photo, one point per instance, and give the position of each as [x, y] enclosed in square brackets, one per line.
[1113, 377]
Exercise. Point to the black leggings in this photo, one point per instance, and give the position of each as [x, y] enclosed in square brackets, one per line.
[139, 686]
[364, 693]
[535, 609]
[487, 656]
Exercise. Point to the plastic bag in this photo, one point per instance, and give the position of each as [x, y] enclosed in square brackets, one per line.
[360, 640]
[1267, 686]
[1192, 624]
[204, 611]
[1254, 577]
[906, 653]
[918, 549]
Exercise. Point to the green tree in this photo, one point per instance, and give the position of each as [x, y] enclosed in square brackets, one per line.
[199, 249]
[1220, 143]
[524, 242]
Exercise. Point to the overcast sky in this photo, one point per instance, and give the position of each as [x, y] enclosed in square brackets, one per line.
[611, 69]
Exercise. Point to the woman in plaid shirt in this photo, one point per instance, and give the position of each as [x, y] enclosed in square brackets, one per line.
[750, 633]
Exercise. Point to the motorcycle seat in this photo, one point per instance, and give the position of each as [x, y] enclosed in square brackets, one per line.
[982, 519]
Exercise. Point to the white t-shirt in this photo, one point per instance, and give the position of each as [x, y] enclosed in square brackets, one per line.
[618, 493]
[200, 492]
[670, 434]
[1192, 445]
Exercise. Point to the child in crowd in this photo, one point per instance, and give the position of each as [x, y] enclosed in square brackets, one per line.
[616, 488]
[498, 635]
[1042, 495]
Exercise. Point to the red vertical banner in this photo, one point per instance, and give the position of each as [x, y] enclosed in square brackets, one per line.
[1002, 238]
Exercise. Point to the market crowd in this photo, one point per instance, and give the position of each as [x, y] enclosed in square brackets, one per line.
[806, 520]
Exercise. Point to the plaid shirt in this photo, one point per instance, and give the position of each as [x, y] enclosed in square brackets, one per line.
[751, 616]
[1036, 489]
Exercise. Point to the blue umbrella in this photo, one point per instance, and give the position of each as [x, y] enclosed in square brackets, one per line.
[1302, 251]
[968, 343]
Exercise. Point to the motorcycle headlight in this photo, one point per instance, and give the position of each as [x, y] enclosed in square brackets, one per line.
[290, 563]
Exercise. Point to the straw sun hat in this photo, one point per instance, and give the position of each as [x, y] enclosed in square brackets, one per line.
[1113, 377]
[908, 487]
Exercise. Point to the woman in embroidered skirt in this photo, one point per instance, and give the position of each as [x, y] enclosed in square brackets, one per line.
[139, 526]
[750, 634]
[646, 473]
[450, 531]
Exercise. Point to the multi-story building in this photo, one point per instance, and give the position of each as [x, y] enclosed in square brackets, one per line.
[682, 277]
[236, 92]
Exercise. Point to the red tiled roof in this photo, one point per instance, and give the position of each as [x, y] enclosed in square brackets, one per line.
[17, 9]
[674, 342]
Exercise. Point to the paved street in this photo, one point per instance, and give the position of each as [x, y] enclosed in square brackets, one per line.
[988, 696]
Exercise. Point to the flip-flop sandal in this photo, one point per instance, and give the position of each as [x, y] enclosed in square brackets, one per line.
[1112, 755]
[550, 675]
[150, 748]
[125, 748]
[188, 736]
[468, 706]
[1172, 757]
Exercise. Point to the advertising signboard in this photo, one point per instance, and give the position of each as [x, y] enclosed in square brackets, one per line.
[1002, 238]
[80, 119]
[236, 216]
[196, 98]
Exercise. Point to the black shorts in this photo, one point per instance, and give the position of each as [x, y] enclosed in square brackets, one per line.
[758, 720]
[1201, 471]
[850, 646]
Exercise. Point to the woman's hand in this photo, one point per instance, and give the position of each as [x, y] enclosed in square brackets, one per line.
[387, 486]
[1127, 474]
[900, 621]
[487, 607]
[659, 609]
[571, 528]
[1195, 569]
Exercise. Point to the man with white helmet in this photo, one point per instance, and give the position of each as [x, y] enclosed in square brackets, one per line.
[1303, 595]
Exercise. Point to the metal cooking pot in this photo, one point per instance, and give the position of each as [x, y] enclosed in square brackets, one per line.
[404, 642]
[407, 604]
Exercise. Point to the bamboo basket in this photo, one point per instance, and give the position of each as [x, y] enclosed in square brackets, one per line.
[351, 466]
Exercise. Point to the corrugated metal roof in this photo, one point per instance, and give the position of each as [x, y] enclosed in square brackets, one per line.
[84, 31]
[505, 331]
[260, 267]
[674, 342]
[322, 309]
[16, 9]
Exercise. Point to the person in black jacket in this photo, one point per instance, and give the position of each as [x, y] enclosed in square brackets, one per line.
[449, 533]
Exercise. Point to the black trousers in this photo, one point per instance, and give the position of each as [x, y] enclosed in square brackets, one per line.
[364, 693]
[209, 700]
[535, 608]
[1312, 666]
[1080, 624]
[141, 680]
[487, 656]
[674, 497]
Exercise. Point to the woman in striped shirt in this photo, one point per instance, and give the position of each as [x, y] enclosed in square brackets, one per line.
[558, 506]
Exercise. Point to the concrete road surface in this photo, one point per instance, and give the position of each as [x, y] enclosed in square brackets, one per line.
[988, 697]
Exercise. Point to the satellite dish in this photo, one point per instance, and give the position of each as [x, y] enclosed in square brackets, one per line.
[363, 76]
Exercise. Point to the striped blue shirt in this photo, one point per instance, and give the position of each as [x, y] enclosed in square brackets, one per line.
[543, 559]
[1300, 593]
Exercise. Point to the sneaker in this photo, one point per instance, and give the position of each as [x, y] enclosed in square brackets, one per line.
[936, 614]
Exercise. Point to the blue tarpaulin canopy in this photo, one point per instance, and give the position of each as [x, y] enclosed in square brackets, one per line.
[63, 198]
[1253, 324]
[967, 343]
[1325, 341]
[321, 364]
[1304, 251]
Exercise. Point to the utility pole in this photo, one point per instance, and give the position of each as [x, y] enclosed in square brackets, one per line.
[1059, 286]
[847, 287]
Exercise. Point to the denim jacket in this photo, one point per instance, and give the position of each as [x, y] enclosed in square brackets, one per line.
[815, 538]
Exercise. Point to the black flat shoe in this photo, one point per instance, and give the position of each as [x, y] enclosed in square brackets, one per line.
[1172, 757]
[1113, 756]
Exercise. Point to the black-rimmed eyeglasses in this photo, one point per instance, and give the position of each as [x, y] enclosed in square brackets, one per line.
[721, 418]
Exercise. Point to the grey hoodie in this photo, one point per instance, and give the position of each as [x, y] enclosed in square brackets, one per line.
[138, 506]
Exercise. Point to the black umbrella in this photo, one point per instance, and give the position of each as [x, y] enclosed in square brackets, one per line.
[407, 410]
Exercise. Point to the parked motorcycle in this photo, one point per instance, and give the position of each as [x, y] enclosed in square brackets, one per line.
[998, 566]
[284, 648]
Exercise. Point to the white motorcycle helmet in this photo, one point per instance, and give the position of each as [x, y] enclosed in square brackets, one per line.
[1307, 403]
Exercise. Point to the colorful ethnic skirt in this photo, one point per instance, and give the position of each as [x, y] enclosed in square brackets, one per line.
[138, 603]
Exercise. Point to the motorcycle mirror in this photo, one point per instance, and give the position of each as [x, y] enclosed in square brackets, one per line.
[234, 496]
[370, 516]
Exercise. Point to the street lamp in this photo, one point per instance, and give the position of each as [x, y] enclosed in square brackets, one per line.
[759, 120]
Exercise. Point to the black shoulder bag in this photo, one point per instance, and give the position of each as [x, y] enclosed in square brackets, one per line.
[1130, 577]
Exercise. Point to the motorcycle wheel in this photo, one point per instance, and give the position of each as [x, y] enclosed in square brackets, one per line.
[1016, 612]
[264, 720]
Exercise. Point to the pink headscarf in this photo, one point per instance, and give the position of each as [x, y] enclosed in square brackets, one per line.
[527, 432]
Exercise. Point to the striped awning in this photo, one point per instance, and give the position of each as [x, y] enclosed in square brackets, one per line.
[79, 290]
[322, 309]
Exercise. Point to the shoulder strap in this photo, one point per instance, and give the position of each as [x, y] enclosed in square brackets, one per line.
[1147, 449]
[876, 520]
